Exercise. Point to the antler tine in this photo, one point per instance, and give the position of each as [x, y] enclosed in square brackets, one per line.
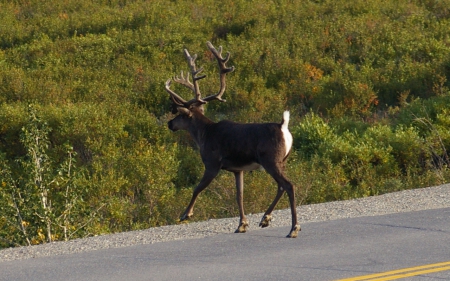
[223, 70]
[184, 81]
[195, 78]
[175, 98]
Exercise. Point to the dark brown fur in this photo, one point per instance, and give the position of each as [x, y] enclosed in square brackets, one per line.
[237, 148]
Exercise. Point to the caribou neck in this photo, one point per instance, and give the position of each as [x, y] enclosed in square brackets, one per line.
[198, 128]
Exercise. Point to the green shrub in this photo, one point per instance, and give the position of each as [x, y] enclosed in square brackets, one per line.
[310, 133]
[367, 86]
[41, 198]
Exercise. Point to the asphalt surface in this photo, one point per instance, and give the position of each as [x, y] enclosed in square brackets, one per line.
[328, 250]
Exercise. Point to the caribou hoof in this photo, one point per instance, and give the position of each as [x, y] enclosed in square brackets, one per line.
[185, 217]
[242, 227]
[265, 221]
[294, 231]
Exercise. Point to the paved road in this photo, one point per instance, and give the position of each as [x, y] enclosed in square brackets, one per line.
[323, 251]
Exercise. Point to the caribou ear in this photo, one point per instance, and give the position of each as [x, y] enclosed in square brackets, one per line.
[184, 111]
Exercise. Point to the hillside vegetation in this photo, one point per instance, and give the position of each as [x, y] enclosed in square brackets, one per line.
[84, 146]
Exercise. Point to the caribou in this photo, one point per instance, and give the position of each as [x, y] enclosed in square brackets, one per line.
[231, 146]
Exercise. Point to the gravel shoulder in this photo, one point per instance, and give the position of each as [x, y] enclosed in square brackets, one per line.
[404, 201]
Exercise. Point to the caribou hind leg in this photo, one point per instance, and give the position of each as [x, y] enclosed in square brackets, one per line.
[265, 221]
[284, 185]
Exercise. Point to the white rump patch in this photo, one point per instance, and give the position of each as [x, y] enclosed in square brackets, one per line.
[286, 134]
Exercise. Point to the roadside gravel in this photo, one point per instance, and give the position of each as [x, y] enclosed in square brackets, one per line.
[403, 201]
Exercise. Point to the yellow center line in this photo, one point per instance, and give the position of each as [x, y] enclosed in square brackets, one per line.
[402, 273]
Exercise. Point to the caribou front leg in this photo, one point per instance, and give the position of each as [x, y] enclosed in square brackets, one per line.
[243, 223]
[207, 178]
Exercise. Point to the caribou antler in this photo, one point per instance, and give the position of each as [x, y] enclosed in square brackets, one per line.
[193, 86]
[184, 81]
[223, 71]
[175, 98]
[194, 72]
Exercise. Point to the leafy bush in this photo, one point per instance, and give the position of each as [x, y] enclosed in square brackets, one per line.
[310, 134]
[367, 87]
[42, 200]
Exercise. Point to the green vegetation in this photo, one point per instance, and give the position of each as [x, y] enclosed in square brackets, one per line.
[84, 147]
